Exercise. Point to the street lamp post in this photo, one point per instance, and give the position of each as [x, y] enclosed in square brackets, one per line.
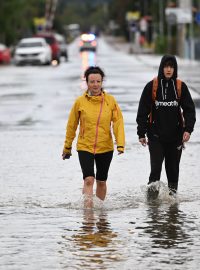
[161, 30]
[185, 5]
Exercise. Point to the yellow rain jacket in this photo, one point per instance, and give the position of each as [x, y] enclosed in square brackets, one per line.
[95, 114]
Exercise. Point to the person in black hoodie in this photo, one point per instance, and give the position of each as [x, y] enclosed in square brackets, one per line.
[167, 122]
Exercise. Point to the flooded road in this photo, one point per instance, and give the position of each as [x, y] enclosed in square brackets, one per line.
[43, 224]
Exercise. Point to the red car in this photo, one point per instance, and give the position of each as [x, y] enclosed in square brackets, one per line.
[5, 55]
[53, 43]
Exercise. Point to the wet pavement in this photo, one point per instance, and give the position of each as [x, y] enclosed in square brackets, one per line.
[43, 222]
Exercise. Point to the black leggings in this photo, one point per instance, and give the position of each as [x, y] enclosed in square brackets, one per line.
[102, 162]
[171, 154]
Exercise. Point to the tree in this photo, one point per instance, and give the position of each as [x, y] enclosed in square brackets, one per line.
[16, 18]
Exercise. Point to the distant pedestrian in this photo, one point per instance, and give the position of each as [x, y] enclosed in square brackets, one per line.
[166, 114]
[95, 111]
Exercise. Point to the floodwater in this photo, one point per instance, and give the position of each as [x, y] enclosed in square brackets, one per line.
[43, 224]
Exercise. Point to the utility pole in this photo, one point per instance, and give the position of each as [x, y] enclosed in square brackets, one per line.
[50, 13]
[161, 16]
[185, 5]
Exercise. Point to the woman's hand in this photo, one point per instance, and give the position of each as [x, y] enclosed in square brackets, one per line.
[186, 136]
[66, 155]
[143, 141]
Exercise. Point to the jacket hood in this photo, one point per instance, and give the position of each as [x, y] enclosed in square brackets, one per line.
[165, 59]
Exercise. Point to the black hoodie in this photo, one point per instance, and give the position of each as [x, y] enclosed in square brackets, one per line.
[167, 124]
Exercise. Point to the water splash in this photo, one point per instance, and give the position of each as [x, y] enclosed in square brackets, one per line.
[128, 199]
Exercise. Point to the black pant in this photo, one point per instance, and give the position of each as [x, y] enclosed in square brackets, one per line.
[102, 161]
[171, 153]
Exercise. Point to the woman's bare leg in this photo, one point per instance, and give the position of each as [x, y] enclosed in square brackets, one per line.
[101, 189]
[88, 191]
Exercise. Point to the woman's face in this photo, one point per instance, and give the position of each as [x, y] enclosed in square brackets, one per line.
[168, 71]
[94, 84]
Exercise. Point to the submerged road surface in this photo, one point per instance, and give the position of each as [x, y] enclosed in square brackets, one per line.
[43, 224]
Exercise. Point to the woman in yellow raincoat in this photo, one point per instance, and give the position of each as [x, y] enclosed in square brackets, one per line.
[95, 112]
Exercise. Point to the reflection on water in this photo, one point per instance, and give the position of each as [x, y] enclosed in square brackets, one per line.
[95, 244]
[165, 226]
[88, 59]
[17, 96]
[28, 121]
[166, 230]
[94, 232]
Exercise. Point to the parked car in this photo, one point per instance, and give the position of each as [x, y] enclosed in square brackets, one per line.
[32, 51]
[5, 55]
[63, 45]
[53, 43]
[88, 42]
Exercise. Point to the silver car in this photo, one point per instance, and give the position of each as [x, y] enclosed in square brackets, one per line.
[33, 50]
[88, 42]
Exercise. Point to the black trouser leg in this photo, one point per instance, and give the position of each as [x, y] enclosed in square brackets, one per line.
[156, 151]
[172, 161]
[102, 164]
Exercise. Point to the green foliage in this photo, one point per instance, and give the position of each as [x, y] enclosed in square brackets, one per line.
[16, 18]
[118, 10]
[84, 13]
[161, 45]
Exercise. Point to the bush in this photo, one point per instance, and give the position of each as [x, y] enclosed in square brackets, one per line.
[161, 45]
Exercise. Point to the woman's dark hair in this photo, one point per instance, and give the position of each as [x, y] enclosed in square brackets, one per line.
[93, 70]
[169, 63]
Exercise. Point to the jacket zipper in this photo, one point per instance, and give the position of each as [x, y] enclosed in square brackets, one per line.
[97, 125]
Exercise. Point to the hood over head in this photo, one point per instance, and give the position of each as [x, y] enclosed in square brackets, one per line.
[171, 59]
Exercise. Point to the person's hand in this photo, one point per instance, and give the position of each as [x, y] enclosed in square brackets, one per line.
[186, 136]
[143, 141]
[120, 150]
[66, 155]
